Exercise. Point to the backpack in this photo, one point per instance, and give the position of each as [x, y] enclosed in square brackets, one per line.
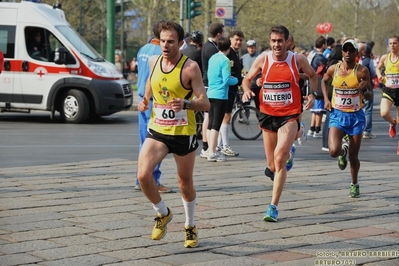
[311, 55]
[320, 70]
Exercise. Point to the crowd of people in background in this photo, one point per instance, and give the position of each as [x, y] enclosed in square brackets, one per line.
[187, 73]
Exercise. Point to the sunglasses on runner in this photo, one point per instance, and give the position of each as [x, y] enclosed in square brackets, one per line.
[350, 50]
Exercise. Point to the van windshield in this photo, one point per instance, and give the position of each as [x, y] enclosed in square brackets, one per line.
[79, 43]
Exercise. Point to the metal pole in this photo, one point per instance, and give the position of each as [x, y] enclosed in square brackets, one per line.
[188, 25]
[80, 17]
[111, 31]
[188, 20]
[122, 32]
[181, 12]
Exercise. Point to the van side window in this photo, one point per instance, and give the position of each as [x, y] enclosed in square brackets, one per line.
[35, 43]
[38, 40]
[7, 41]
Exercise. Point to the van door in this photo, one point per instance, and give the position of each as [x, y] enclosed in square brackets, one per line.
[7, 46]
[38, 71]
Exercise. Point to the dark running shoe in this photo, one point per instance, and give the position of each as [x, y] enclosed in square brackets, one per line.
[342, 160]
[269, 173]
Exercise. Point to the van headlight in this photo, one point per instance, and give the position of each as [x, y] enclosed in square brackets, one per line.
[104, 71]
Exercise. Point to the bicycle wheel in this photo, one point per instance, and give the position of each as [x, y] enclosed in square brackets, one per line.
[199, 118]
[244, 123]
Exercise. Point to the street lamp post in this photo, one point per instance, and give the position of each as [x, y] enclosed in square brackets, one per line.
[111, 31]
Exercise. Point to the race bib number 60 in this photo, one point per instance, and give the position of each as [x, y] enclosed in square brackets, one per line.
[166, 116]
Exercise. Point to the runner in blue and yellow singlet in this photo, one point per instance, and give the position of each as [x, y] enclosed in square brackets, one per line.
[174, 82]
[351, 82]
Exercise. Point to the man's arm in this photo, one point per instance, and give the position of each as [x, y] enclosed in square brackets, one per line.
[324, 86]
[201, 101]
[191, 77]
[303, 64]
[363, 76]
[143, 105]
[380, 65]
[252, 73]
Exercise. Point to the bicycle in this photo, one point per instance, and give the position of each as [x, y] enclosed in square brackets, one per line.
[244, 120]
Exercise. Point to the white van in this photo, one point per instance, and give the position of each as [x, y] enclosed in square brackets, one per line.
[49, 66]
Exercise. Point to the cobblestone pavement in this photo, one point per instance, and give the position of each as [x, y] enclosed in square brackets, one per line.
[88, 213]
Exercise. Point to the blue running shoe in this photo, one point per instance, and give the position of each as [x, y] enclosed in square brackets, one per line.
[290, 161]
[271, 214]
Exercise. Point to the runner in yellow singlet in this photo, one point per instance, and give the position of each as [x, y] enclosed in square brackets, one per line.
[390, 91]
[351, 82]
[174, 81]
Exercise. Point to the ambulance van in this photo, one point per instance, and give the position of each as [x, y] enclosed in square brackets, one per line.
[49, 66]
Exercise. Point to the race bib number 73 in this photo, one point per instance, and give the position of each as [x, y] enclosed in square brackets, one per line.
[347, 99]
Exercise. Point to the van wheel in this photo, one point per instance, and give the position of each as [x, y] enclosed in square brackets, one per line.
[74, 107]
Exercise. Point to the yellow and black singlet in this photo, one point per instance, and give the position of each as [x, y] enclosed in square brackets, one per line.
[391, 73]
[166, 86]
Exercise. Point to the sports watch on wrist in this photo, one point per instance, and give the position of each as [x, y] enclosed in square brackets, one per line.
[187, 104]
[313, 93]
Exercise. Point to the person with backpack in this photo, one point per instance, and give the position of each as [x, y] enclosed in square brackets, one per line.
[318, 64]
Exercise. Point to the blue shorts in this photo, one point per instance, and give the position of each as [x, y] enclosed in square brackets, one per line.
[351, 123]
[318, 107]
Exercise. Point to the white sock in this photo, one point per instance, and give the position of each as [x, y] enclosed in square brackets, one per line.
[220, 142]
[224, 134]
[189, 209]
[161, 208]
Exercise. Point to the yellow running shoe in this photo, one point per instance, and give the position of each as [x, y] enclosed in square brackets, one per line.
[191, 240]
[159, 230]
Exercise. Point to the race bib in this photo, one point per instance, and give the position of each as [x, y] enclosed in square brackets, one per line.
[392, 81]
[165, 116]
[277, 94]
[347, 100]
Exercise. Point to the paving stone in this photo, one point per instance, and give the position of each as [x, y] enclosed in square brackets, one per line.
[135, 253]
[26, 246]
[66, 252]
[88, 213]
[44, 234]
[89, 260]
[17, 259]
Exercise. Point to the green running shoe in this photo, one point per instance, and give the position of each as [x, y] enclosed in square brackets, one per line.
[342, 162]
[355, 192]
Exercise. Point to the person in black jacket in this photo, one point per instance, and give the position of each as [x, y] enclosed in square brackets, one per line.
[194, 46]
